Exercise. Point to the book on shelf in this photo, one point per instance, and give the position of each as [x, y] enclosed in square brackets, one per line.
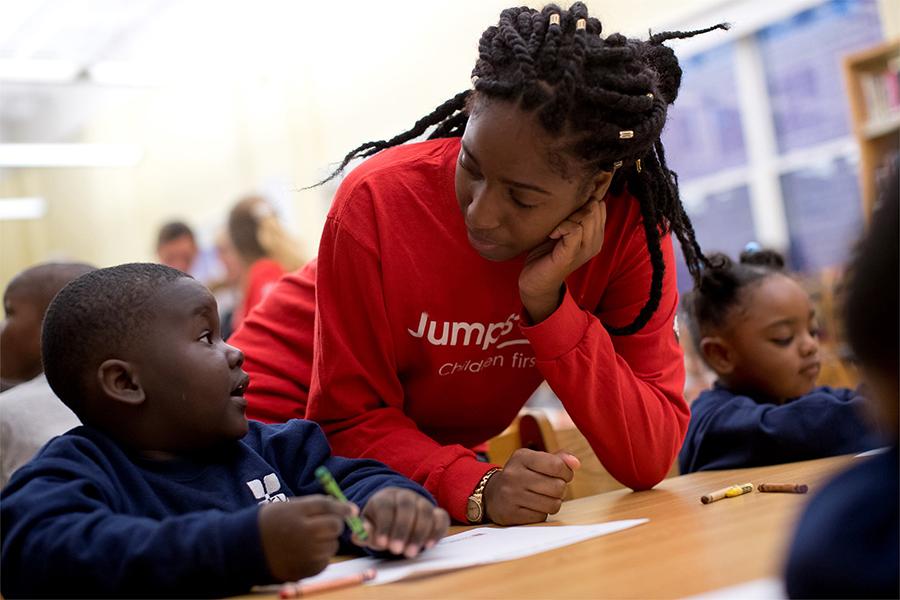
[881, 92]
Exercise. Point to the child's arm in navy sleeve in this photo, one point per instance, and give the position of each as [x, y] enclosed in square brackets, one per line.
[63, 537]
[822, 423]
[299, 447]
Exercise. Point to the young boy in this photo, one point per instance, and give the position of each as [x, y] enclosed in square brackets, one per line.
[167, 489]
[30, 413]
[756, 328]
[847, 544]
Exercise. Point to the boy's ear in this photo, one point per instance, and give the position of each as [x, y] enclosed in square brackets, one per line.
[119, 381]
[718, 354]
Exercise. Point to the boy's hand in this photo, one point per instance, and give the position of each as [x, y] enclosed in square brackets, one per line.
[300, 536]
[530, 487]
[402, 522]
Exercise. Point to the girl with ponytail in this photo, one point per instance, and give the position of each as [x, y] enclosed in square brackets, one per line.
[756, 328]
[528, 238]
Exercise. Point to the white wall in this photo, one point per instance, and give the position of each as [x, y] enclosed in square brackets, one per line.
[273, 97]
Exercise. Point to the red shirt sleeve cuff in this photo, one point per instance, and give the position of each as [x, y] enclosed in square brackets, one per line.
[457, 484]
[560, 332]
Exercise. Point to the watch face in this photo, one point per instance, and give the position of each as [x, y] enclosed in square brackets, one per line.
[473, 511]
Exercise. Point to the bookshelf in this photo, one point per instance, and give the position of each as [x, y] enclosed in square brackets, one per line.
[873, 86]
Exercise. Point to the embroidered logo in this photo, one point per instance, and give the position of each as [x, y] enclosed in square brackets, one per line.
[264, 490]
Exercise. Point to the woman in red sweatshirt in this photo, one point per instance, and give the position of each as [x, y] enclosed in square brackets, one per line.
[527, 239]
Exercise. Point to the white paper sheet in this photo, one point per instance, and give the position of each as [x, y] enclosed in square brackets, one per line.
[758, 589]
[474, 547]
[873, 452]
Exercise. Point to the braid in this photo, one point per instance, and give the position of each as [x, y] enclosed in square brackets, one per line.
[584, 89]
[652, 234]
[444, 112]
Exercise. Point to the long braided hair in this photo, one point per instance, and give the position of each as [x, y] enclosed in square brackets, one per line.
[586, 89]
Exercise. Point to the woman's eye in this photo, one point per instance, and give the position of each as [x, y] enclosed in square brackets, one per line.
[519, 203]
[474, 174]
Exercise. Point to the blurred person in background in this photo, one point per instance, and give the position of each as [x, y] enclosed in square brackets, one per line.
[227, 288]
[176, 246]
[264, 249]
[30, 413]
[847, 543]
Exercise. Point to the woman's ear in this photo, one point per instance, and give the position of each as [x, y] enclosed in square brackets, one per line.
[119, 381]
[718, 354]
[599, 185]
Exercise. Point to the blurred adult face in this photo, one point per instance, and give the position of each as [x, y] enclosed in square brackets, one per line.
[179, 253]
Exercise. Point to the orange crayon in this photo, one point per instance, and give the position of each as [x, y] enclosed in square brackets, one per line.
[300, 589]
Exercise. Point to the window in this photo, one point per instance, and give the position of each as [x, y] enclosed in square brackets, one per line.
[703, 133]
[761, 129]
[802, 59]
[731, 207]
[824, 213]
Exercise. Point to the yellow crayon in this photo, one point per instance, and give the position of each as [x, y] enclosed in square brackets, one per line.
[729, 492]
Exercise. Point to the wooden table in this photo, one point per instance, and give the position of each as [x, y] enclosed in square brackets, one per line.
[686, 548]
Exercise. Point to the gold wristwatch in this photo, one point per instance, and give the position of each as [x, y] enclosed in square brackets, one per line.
[475, 506]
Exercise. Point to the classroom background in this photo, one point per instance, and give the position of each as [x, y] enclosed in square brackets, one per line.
[116, 117]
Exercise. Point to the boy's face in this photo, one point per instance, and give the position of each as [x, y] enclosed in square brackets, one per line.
[774, 337]
[20, 335]
[192, 379]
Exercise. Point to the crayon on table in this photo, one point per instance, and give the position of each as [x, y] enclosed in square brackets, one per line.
[300, 589]
[788, 488]
[327, 480]
[729, 492]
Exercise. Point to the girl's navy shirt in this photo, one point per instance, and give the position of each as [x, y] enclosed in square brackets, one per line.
[731, 431]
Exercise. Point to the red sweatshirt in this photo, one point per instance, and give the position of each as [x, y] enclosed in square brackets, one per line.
[260, 280]
[421, 351]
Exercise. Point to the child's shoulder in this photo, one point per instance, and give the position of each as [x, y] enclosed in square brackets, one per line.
[719, 395]
[80, 451]
[297, 432]
[298, 440]
[81, 441]
[832, 392]
[716, 396]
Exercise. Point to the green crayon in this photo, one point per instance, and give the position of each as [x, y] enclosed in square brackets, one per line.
[331, 487]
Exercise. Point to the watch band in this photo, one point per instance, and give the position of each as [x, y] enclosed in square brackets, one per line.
[477, 497]
[479, 489]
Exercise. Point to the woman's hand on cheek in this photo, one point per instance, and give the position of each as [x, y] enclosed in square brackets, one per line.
[402, 522]
[574, 242]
